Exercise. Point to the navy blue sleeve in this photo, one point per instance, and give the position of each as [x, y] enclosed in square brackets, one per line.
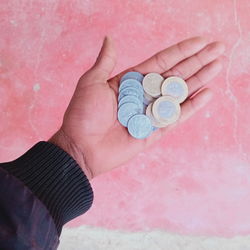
[40, 192]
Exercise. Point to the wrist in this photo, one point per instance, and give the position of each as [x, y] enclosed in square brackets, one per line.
[62, 140]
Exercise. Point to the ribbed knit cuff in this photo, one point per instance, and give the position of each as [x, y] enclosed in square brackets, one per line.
[56, 179]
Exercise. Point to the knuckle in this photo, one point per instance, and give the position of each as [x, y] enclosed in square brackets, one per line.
[176, 71]
[161, 62]
[181, 51]
[198, 59]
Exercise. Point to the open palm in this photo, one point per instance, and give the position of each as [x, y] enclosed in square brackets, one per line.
[91, 132]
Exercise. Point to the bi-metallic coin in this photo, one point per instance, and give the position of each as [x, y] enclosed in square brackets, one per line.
[166, 109]
[175, 87]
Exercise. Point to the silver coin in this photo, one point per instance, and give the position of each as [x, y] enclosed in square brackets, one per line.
[131, 91]
[126, 111]
[131, 83]
[132, 75]
[139, 126]
[129, 99]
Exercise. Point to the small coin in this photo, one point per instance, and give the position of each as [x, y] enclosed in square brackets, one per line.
[139, 126]
[131, 83]
[126, 111]
[152, 84]
[132, 92]
[132, 75]
[130, 98]
[175, 87]
[166, 109]
[148, 99]
[154, 122]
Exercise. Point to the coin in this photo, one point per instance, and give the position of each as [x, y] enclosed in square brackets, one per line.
[166, 109]
[130, 99]
[132, 75]
[152, 84]
[138, 108]
[131, 92]
[154, 122]
[148, 99]
[131, 83]
[139, 126]
[126, 111]
[175, 87]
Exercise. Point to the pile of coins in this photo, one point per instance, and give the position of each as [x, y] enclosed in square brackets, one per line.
[146, 103]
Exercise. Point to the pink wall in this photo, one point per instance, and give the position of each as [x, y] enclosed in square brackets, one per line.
[194, 181]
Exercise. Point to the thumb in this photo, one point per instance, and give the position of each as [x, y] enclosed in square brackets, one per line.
[105, 62]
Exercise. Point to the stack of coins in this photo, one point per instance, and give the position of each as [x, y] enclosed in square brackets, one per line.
[146, 103]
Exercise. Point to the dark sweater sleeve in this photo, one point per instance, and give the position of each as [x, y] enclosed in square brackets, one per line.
[40, 192]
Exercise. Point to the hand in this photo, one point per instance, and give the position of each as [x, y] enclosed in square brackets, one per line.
[91, 133]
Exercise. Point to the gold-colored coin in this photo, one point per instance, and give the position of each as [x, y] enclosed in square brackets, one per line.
[152, 84]
[176, 87]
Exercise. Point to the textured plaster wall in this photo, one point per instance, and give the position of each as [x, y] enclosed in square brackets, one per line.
[196, 181]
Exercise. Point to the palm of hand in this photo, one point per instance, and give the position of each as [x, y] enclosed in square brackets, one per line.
[90, 122]
[94, 127]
